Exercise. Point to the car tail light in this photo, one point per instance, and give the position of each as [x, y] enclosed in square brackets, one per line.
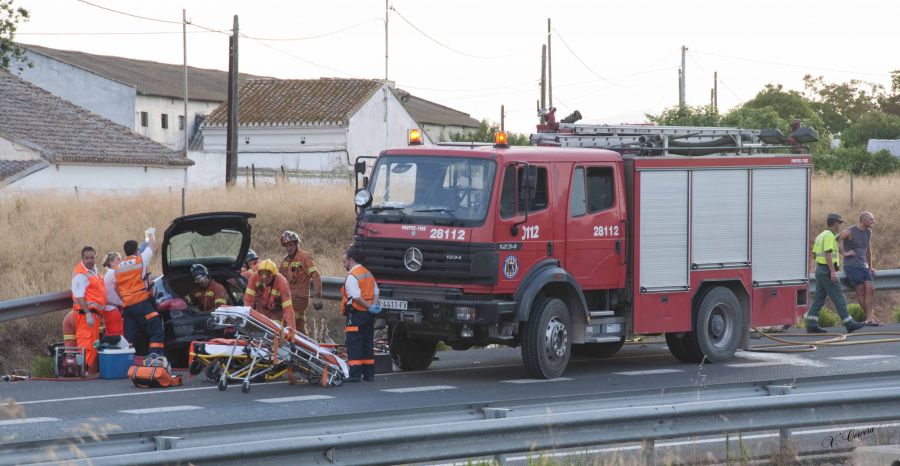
[172, 304]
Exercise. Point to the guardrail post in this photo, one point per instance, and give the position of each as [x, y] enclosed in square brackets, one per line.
[166, 442]
[648, 455]
[784, 444]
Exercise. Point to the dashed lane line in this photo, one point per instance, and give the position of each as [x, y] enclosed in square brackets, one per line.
[650, 372]
[290, 399]
[757, 364]
[863, 357]
[117, 395]
[30, 420]
[525, 381]
[161, 409]
[419, 389]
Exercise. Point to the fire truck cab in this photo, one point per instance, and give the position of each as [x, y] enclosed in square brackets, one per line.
[560, 249]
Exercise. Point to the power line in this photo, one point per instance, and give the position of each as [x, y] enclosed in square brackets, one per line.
[709, 75]
[791, 65]
[315, 36]
[457, 51]
[580, 60]
[109, 33]
[288, 54]
[130, 14]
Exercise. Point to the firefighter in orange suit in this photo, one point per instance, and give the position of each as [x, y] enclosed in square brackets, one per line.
[359, 303]
[89, 299]
[69, 330]
[268, 293]
[131, 286]
[299, 270]
[251, 264]
[208, 294]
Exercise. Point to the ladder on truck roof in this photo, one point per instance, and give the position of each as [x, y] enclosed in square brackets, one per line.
[663, 140]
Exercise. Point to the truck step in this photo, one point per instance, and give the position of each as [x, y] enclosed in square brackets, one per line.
[603, 313]
[603, 339]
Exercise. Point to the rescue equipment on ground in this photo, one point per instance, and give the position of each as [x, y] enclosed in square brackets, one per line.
[153, 372]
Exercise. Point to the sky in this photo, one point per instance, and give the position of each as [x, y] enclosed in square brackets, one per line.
[612, 61]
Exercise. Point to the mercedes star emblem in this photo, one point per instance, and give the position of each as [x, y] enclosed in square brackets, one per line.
[412, 259]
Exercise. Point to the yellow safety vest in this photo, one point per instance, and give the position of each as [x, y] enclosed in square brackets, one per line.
[826, 242]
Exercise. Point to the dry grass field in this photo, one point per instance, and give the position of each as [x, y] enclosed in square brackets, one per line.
[43, 234]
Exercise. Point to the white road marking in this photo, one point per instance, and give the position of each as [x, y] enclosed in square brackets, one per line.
[521, 381]
[419, 389]
[791, 359]
[863, 356]
[162, 409]
[757, 364]
[30, 420]
[116, 395]
[289, 399]
[650, 372]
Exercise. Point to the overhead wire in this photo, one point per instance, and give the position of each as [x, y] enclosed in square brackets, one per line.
[710, 75]
[792, 65]
[580, 60]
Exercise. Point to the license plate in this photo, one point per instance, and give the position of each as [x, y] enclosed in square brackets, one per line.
[612, 328]
[393, 304]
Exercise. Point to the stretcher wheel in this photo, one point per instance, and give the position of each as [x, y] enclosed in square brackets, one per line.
[338, 381]
[223, 383]
[245, 387]
[196, 367]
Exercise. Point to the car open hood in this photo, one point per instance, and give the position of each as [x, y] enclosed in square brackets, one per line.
[217, 240]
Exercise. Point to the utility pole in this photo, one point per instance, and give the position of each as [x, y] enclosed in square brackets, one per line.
[680, 89]
[502, 118]
[387, 131]
[544, 77]
[231, 149]
[683, 75]
[184, 41]
[549, 67]
[716, 90]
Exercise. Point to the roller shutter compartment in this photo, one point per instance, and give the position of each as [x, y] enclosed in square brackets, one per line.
[780, 226]
[664, 231]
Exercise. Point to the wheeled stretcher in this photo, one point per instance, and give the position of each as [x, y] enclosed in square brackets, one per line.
[262, 351]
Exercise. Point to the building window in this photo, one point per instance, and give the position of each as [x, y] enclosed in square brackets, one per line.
[180, 122]
[145, 119]
[165, 121]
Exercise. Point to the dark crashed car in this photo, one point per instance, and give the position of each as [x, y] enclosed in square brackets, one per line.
[218, 240]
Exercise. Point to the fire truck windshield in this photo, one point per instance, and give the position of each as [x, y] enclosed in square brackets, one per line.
[436, 190]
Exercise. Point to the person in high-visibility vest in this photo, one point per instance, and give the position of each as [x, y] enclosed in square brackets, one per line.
[88, 301]
[359, 304]
[131, 286]
[828, 262]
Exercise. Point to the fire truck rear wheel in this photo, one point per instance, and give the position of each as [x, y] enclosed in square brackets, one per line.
[717, 330]
[411, 354]
[546, 346]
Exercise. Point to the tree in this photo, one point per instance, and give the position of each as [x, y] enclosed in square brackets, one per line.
[890, 103]
[485, 133]
[687, 116]
[754, 118]
[872, 125]
[839, 105]
[10, 52]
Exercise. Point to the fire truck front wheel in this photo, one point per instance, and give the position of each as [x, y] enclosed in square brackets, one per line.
[717, 330]
[546, 346]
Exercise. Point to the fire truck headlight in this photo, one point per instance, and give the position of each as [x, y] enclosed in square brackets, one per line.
[363, 198]
[465, 312]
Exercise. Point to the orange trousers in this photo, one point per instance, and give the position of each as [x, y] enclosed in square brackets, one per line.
[85, 336]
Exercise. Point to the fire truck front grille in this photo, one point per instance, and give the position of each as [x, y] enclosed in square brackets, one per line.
[445, 262]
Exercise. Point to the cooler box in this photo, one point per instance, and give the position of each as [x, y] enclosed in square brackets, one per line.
[114, 363]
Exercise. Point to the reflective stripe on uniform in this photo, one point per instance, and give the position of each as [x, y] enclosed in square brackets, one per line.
[351, 329]
[311, 270]
[68, 337]
[250, 292]
[286, 303]
[157, 345]
[151, 315]
[360, 362]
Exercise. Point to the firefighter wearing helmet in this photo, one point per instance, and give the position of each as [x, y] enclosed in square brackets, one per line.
[269, 294]
[207, 293]
[251, 263]
[300, 270]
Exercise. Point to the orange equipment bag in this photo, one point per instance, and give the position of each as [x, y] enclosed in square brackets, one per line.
[153, 373]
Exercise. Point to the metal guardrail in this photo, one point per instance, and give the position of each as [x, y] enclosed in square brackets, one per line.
[498, 428]
[20, 308]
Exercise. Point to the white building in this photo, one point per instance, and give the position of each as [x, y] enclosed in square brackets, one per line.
[311, 126]
[146, 96]
[47, 142]
[890, 145]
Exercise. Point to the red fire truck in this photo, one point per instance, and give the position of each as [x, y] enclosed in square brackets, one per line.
[695, 233]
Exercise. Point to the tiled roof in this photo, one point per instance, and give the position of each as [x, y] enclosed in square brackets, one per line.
[149, 77]
[427, 112]
[298, 102]
[11, 170]
[67, 133]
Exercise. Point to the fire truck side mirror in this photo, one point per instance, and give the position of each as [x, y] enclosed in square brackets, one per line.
[360, 167]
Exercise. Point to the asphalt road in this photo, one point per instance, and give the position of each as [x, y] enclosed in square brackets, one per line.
[66, 409]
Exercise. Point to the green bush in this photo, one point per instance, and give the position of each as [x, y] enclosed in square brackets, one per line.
[828, 318]
[856, 161]
[43, 366]
[857, 312]
[896, 314]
